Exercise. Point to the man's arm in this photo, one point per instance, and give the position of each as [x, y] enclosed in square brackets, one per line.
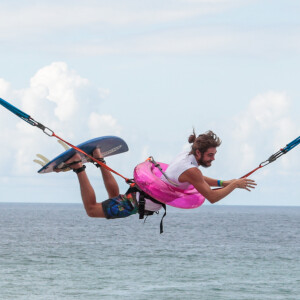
[214, 182]
[195, 177]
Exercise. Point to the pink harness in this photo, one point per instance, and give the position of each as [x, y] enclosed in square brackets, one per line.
[148, 178]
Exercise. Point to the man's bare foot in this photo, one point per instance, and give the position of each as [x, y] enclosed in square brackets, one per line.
[97, 153]
[75, 158]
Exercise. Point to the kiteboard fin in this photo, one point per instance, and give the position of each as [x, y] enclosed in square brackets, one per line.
[44, 160]
[39, 162]
[65, 146]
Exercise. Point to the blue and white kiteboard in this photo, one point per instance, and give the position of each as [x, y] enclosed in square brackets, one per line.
[109, 145]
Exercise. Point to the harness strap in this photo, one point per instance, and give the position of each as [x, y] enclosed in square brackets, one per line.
[142, 201]
[157, 165]
[161, 221]
[141, 208]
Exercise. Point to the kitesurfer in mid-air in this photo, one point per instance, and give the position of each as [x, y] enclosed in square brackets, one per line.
[183, 170]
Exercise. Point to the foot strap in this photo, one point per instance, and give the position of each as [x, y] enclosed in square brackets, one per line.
[100, 159]
[77, 171]
[66, 167]
[72, 163]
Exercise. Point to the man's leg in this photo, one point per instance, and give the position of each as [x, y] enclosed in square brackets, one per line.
[93, 209]
[110, 182]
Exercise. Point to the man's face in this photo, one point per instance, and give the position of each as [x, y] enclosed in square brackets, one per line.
[206, 158]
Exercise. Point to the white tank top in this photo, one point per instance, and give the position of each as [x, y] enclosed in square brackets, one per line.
[180, 164]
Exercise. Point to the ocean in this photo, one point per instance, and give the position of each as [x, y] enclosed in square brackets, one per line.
[54, 251]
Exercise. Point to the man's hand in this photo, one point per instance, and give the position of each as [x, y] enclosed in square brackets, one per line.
[245, 183]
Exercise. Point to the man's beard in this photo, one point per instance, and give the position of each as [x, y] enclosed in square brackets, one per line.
[205, 164]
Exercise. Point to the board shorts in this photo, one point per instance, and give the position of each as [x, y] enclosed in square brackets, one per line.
[121, 206]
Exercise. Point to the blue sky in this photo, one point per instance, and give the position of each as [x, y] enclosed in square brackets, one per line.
[150, 71]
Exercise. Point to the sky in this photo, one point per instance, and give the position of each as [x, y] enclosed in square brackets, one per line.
[150, 72]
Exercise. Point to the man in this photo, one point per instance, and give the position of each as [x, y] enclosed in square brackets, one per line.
[183, 171]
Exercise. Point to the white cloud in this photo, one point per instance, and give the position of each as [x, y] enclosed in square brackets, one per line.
[191, 40]
[160, 28]
[263, 129]
[268, 108]
[58, 84]
[183, 41]
[101, 125]
[4, 88]
[98, 28]
[33, 19]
